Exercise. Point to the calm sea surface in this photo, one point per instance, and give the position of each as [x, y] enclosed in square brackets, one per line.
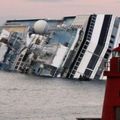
[26, 97]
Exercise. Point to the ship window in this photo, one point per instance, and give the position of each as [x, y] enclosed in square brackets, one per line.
[81, 55]
[19, 59]
[77, 44]
[77, 63]
[16, 67]
[93, 62]
[87, 43]
[83, 51]
[88, 36]
[89, 32]
[106, 56]
[93, 17]
[22, 64]
[20, 68]
[92, 24]
[87, 73]
[73, 72]
[112, 36]
[90, 29]
[109, 50]
[79, 59]
[111, 41]
[21, 55]
[85, 47]
[18, 63]
[110, 46]
[75, 67]
[93, 20]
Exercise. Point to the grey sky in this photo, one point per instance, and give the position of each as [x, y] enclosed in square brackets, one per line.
[18, 9]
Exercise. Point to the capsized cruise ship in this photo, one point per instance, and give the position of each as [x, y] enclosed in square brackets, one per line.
[72, 47]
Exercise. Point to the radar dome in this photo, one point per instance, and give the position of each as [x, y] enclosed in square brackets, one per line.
[40, 26]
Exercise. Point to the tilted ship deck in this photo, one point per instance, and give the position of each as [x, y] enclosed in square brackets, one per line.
[73, 47]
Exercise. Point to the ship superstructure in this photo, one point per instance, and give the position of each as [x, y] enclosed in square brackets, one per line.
[72, 47]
